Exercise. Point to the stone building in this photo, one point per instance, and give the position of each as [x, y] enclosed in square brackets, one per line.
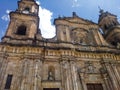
[79, 57]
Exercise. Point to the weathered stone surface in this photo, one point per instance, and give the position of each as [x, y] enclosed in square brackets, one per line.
[76, 57]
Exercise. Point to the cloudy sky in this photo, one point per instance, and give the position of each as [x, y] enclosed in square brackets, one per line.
[51, 9]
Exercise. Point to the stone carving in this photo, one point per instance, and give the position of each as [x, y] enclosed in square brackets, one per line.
[90, 67]
[51, 73]
[80, 36]
[51, 76]
[118, 45]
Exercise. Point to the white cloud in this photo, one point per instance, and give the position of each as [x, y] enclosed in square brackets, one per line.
[6, 16]
[38, 2]
[8, 11]
[46, 27]
[75, 3]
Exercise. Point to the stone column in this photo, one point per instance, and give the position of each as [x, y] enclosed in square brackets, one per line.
[16, 72]
[62, 75]
[69, 77]
[118, 67]
[82, 81]
[37, 75]
[24, 75]
[116, 74]
[4, 64]
[106, 78]
[75, 77]
[66, 76]
[31, 74]
[111, 75]
[108, 86]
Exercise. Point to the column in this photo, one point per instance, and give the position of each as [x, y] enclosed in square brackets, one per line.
[112, 78]
[24, 72]
[106, 79]
[38, 74]
[118, 67]
[3, 69]
[75, 77]
[30, 74]
[16, 74]
[62, 75]
[116, 74]
[66, 76]
[106, 76]
[82, 81]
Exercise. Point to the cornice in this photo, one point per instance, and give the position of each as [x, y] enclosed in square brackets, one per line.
[70, 53]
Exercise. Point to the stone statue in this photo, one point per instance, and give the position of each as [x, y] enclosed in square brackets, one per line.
[51, 76]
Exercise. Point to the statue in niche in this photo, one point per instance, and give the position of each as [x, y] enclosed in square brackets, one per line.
[51, 73]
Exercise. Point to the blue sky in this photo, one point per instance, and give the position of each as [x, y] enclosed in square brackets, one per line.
[51, 9]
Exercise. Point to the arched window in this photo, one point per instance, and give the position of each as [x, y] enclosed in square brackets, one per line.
[105, 27]
[114, 43]
[26, 10]
[21, 30]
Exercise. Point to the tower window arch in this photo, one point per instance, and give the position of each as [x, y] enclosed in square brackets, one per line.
[21, 30]
[26, 10]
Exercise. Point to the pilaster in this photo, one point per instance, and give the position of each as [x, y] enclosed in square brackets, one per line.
[112, 75]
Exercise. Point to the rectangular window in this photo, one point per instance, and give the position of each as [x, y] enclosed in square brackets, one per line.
[92, 86]
[8, 81]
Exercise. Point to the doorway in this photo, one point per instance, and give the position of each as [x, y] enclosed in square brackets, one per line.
[50, 88]
[94, 86]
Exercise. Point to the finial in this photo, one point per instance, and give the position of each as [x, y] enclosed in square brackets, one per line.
[101, 10]
[74, 14]
[59, 16]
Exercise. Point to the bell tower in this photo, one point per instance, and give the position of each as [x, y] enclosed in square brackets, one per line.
[24, 23]
[111, 28]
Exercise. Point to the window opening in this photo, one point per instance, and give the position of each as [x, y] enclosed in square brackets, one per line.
[8, 81]
[21, 30]
[105, 27]
[114, 43]
[27, 9]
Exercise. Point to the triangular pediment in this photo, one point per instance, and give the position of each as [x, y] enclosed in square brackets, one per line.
[79, 20]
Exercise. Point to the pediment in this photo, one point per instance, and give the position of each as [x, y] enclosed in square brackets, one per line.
[79, 20]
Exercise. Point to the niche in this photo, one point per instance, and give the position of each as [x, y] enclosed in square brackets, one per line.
[51, 73]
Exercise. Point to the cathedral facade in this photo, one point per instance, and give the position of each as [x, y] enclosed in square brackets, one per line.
[79, 57]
